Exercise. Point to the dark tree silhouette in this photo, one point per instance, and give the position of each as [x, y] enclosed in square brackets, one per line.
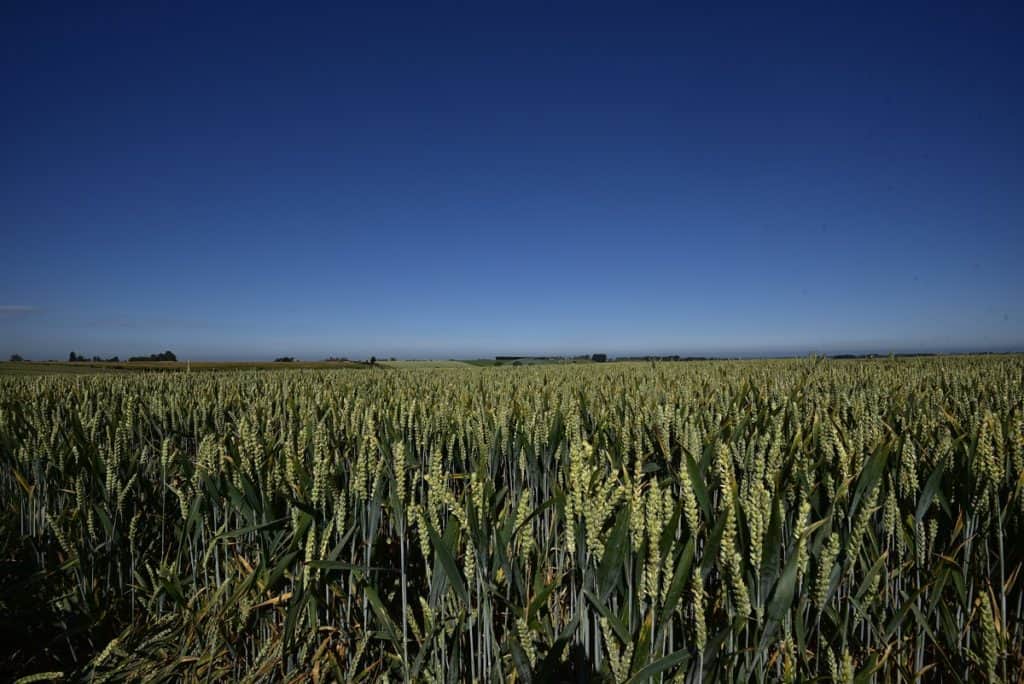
[166, 356]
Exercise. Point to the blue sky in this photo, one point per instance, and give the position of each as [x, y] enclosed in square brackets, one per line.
[483, 178]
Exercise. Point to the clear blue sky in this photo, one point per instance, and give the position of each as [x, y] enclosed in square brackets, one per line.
[489, 178]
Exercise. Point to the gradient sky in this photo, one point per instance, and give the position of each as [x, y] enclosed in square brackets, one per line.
[486, 178]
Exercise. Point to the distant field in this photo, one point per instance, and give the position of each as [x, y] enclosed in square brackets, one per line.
[94, 367]
[522, 362]
[424, 364]
[103, 367]
[91, 368]
[45, 368]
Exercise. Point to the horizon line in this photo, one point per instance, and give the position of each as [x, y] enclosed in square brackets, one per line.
[692, 356]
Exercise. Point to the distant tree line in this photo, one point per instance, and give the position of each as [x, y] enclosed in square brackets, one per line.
[166, 356]
[76, 358]
[284, 359]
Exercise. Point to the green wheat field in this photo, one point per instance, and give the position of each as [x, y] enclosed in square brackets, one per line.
[782, 520]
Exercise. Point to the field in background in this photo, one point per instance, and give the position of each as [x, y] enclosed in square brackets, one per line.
[93, 367]
[98, 367]
[779, 520]
[487, 363]
[414, 365]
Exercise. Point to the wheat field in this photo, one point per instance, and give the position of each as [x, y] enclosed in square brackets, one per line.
[794, 520]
